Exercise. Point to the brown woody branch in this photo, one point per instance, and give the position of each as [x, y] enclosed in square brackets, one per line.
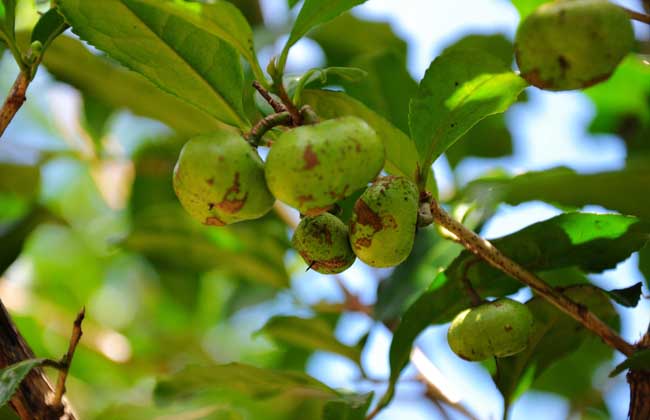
[638, 16]
[485, 250]
[67, 359]
[33, 399]
[14, 101]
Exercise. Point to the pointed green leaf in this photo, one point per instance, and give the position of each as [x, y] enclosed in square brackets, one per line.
[12, 376]
[312, 14]
[459, 89]
[311, 334]
[348, 407]
[526, 7]
[554, 336]
[624, 191]
[49, 26]
[7, 21]
[168, 49]
[628, 297]
[114, 86]
[639, 361]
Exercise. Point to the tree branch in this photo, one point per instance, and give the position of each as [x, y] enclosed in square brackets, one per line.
[485, 250]
[638, 16]
[32, 400]
[14, 101]
[67, 358]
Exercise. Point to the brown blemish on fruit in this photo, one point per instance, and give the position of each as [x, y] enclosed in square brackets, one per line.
[316, 211]
[328, 236]
[367, 217]
[339, 196]
[214, 221]
[310, 158]
[210, 181]
[507, 328]
[232, 201]
[210, 206]
[363, 243]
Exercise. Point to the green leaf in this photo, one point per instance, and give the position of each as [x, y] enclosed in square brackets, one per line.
[644, 263]
[625, 191]
[312, 14]
[628, 297]
[12, 376]
[554, 336]
[259, 385]
[219, 18]
[323, 77]
[362, 38]
[171, 51]
[311, 334]
[459, 89]
[490, 138]
[49, 26]
[526, 7]
[593, 242]
[389, 87]
[348, 407]
[496, 44]
[401, 156]
[114, 86]
[96, 115]
[7, 21]
[638, 361]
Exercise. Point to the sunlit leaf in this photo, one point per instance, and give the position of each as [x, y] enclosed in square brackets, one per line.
[171, 51]
[459, 89]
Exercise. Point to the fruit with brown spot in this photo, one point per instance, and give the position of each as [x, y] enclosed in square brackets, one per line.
[219, 179]
[382, 227]
[496, 329]
[573, 44]
[313, 166]
[323, 243]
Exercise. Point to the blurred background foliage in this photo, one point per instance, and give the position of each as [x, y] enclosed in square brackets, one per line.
[88, 218]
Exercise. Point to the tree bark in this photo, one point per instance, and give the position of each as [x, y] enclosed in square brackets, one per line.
[639, 381]
[33, 397]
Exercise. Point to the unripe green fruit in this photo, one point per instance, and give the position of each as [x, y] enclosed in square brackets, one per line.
[382, 227]
[496, 329]
[219, 179]
[572, 44]
[323, 243]
[314, 166]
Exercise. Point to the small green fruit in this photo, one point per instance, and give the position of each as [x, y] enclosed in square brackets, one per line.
[382, 227]
[314, 166]
[496, 329]
[323, 243]
[219, 179]
[572, 44]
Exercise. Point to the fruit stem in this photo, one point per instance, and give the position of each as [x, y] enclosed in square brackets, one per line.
[277, 106]
[474, 297]
[265, 124]
[289, 105]
[638, 16]
[486, 251]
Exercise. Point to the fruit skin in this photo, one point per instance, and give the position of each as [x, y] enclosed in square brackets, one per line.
[323, 243]
[314, 166]
[496, 329]
[566, 45]
[382, 226]
[219, 179]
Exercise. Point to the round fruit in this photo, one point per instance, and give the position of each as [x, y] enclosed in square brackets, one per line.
[219, 179]
[314, 166]
[572, 44]
[496, 329]
[323, 243]
[382, 227]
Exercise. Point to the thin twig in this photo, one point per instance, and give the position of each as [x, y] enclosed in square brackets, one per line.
[638, 16]
[474, 297]
[14, 101]
[277, 106]
[67, 358]
[485, 250]
[289, 105]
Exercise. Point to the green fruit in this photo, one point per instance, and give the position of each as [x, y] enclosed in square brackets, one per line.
[219, 179]
[323, 243]
[382, 227]
[572, 44]
[314, 166]
[496, 329]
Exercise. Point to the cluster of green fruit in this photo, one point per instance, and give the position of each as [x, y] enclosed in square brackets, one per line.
[220, 179]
